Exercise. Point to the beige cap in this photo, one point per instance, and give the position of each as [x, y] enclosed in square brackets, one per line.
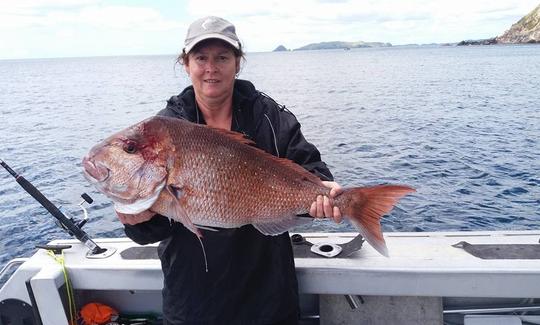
[210, 27]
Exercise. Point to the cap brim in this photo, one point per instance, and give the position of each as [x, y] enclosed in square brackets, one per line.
[201, 38]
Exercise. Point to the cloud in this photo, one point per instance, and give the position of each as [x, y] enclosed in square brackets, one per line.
[264, 25]
[30, 11]
[49, 28]
[35, 26]
[270, 23]
[117, 17]
[49, 13]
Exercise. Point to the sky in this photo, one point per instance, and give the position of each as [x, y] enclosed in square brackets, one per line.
[81, 28]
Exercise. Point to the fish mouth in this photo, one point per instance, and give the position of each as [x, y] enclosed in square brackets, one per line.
[95, 173]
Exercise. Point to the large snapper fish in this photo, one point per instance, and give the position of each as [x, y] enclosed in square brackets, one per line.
[205, 177]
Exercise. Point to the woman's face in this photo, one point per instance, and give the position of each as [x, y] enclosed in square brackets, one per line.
[212, 68]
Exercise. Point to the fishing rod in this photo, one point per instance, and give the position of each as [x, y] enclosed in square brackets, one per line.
[65, 222]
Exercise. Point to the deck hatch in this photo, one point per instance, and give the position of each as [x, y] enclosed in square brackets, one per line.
[140, 253]
[501, 251]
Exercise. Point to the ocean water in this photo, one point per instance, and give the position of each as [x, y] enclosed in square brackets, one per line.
[459, 124]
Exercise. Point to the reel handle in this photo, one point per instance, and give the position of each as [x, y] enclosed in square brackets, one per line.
[87, 198]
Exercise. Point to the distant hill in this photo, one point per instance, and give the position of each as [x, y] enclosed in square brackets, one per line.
[280, 48]
[526, 30]
[487, 41]
[341, 45]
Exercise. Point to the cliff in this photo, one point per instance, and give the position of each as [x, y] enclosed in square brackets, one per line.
[526, 30]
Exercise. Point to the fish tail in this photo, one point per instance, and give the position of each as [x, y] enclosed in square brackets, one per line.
[365, 206]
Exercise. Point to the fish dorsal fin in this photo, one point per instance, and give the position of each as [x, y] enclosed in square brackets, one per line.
[281, 226]
[233, 135]
[298, 171]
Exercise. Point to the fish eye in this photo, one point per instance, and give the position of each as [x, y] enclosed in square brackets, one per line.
[130, 147]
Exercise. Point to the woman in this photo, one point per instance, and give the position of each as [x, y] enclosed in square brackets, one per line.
[251, 277]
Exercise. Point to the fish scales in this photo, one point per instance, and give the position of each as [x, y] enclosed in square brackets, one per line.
[230, 183]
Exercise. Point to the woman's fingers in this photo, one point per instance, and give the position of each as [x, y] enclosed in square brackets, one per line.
[313, 209]
[337, 215]
[323, 208]
[320, 210]
[327, 207]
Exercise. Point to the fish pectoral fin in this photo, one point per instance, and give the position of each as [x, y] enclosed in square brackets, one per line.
[176, 191]
[177, 212]
[281, 226]
[181, 215]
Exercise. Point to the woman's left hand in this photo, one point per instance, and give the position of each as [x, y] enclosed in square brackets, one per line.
[324, 207]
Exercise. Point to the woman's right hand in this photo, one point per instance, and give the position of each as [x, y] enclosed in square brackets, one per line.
[323, 206]
[133, 219]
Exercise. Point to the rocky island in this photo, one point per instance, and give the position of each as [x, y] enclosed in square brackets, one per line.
[341, 45]
[526, 30]
[280, 48]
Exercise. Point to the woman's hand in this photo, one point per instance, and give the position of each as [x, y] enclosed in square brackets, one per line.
[324, 206]
[133, 219]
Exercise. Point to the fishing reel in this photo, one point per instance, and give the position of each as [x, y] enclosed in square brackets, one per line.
[66, 223]
[86, 199]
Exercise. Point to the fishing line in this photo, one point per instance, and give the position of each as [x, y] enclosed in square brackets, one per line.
[204, 253]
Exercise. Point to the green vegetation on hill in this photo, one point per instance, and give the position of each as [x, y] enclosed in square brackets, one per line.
[526, 30]
[341, 45]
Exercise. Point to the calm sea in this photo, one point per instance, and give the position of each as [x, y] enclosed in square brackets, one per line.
[460, 124]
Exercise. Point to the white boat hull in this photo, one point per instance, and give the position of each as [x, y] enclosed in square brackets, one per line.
[424, 267]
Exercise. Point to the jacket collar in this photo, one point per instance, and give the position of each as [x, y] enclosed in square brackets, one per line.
[243, 94]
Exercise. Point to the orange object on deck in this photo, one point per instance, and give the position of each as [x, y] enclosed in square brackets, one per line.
[95, 313]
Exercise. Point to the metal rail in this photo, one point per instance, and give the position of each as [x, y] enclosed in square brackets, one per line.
[507, 309]
[14, 262]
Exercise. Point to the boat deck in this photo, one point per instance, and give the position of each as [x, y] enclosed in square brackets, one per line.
[425, 264]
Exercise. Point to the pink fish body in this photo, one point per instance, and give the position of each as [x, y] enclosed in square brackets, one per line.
[207, 177]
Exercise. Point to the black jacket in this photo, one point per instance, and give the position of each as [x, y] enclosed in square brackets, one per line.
[251, 277]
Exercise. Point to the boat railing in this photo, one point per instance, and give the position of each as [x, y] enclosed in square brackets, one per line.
[12, 266]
